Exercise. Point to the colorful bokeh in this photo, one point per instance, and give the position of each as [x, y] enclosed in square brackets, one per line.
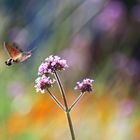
[100, 39]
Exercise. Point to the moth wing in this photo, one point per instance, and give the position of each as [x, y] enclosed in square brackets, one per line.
[13, 50]
[25, 56]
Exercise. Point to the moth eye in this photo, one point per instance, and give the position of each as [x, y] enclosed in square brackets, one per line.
[16, 46]
[8, 62]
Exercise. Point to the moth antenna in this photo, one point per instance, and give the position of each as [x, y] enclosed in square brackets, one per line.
[33, 49]
[4, 44]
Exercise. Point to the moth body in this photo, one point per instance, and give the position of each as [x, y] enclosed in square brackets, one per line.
[15, 53]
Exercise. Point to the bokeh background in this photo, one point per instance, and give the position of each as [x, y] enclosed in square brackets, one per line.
[100, 39]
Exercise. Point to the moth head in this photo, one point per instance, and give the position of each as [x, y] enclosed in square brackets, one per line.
[9, 62]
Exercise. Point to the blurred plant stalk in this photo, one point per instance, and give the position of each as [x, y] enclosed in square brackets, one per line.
[51, 65]
[66, 105]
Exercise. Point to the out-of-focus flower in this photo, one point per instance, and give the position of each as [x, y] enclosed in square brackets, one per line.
[85, 85]
[42, 83]
[136, 13]
[52, 64]
[129, 67]
[126, 107]
[109, 19]
[15, 88]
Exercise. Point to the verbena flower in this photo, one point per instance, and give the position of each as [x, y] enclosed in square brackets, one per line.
[43, 69]
[42, 83]
[84, 86]
[52, 64]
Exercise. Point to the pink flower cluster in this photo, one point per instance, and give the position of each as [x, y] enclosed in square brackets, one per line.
[49, 66]
[52, 64]
[84, 86]
[41, 83]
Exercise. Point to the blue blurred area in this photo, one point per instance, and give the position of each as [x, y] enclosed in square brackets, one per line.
[89, 34]
[30, 16]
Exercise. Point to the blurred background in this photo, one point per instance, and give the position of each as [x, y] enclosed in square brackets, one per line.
[100, 39]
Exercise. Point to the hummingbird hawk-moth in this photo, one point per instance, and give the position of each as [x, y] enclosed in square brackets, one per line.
[16, 54]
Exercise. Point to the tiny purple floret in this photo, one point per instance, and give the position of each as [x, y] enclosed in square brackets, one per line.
[52, 64]
[84, 86]
[43, 69]
[42, 83]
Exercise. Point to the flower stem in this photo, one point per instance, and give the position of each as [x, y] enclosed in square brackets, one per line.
[77, 100]
[61, 89]
[70, 125]
[66, 105]
[56, 101]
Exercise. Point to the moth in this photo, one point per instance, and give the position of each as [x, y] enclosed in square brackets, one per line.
[15, 53]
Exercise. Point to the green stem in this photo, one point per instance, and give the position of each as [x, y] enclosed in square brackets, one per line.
[66, 105]
[61, 89]
[55, 100]
[70, 125]
[77, 100]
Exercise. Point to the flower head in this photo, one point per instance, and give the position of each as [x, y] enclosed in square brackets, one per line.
[42, 83]
[52, 64]
[43, 69]
[55, 63]
[85, 85]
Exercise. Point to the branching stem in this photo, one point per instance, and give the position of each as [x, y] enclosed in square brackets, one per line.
[66, 105]
[76, 100]
[56, 101]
